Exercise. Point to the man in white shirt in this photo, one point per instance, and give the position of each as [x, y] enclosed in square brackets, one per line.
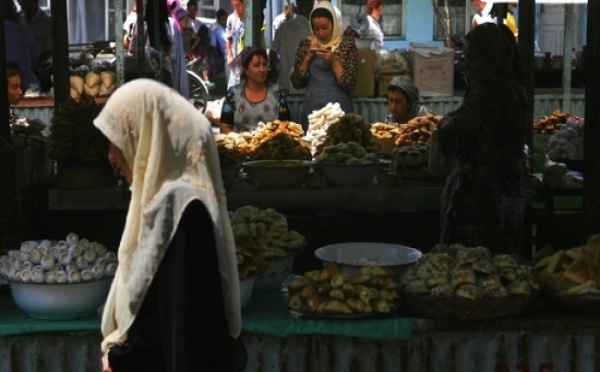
[192, 8]
[234, 44]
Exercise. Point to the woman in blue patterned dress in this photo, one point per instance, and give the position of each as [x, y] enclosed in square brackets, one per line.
[254, 99]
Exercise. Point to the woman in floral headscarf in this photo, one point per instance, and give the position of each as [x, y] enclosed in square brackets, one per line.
[326, 64]
[177, 279]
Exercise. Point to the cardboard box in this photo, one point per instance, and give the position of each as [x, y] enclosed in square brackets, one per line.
[433, 69]
[365, 87]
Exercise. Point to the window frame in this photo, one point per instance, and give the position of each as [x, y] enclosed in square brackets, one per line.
[361, 9]
[467, 13]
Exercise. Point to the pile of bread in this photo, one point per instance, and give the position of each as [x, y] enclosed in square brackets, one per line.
[331, 291]
[572, 272]
[472, 273]
[94, 84]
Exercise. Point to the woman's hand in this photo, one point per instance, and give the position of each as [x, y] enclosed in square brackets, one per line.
[326, 54]
[105, 366]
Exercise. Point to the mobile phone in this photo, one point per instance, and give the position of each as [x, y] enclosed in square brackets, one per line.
[314, 50]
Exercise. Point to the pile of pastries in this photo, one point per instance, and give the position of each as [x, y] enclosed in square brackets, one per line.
[553, 122]
[572, 272]
[276, 140]
[262, 236]
[330, 291]
[384, 131]
[417, 131]
[384, 135]
[472, 273]
[279, 140]
[233, 148]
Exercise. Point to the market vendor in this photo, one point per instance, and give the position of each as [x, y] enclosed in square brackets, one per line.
[15, 92]
[483, 202]
[402, 97]
[326, 64]
[254, 99]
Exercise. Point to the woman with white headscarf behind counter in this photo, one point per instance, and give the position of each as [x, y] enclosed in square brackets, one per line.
[177, 280]
[326, 64]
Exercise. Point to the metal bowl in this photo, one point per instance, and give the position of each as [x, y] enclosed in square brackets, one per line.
[278, 174]
[352, 256]
[275, 274]
[60, 301]
[341, 175]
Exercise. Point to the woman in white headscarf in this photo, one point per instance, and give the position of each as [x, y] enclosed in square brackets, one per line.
[177, 279]
[326, 64]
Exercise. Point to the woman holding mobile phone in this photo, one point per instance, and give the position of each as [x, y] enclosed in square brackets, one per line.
[326, 64]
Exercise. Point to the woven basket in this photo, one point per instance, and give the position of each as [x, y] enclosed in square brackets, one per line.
[463, 308]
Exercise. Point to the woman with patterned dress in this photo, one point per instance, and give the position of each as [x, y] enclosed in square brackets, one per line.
[254, 99]
[326, 64]
[484, 198]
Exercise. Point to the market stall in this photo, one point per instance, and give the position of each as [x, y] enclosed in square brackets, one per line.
[275, 342]
[395, 212]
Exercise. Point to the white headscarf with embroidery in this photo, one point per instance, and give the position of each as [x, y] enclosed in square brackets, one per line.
[336, 36]
[170, 149]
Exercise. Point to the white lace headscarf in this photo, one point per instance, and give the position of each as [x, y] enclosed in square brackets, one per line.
[169, 147]
[336, 36]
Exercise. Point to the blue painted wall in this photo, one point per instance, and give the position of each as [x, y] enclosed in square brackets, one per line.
[419, 25]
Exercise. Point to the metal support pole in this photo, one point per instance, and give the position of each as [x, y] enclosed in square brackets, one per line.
[60, 53]
[140, 56]
[119, 51]
[4, 104]
[568, 55]
[526, 47]
[591, 137]
[253, 23]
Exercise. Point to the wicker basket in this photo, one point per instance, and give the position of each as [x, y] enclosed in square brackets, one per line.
[583, 304]
[427, 306]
